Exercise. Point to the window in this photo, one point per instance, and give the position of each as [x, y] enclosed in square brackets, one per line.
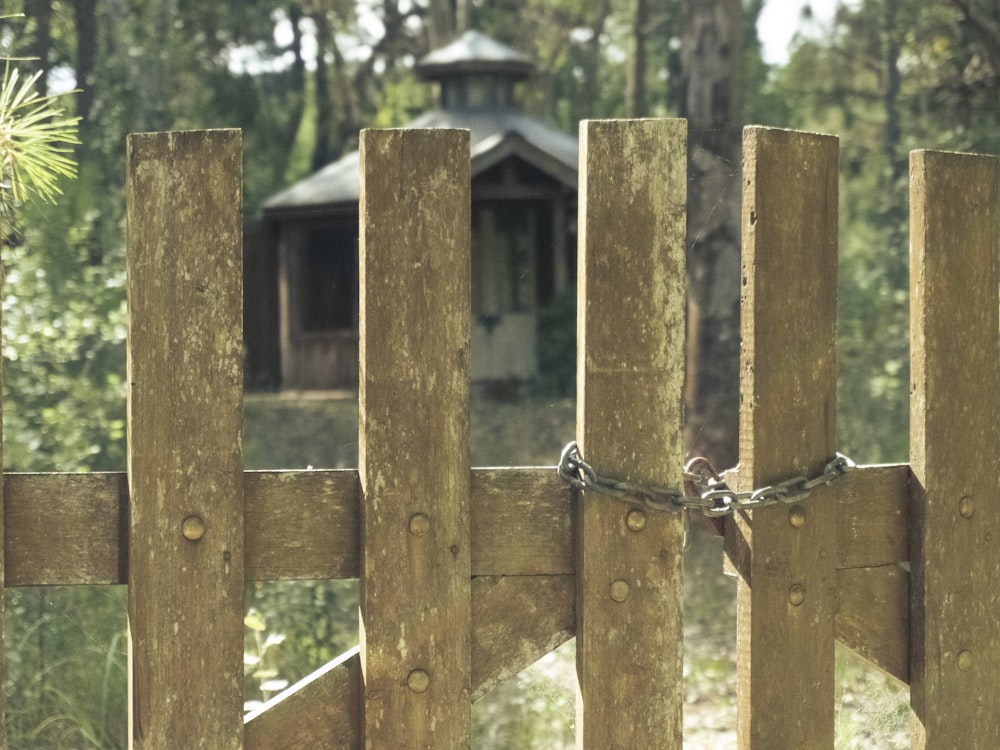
[505, 237]
[328, 279]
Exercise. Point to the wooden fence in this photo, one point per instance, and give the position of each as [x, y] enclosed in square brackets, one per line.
[467, 576]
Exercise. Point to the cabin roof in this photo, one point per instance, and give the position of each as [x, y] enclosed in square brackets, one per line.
[474, 52]
[496, 132]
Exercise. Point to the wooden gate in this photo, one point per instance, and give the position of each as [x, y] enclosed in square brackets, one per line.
[469, 575]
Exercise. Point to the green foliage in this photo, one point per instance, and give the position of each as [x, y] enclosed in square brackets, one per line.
[64, 344]
[292, 629]
[66, 668]
[557, 346]
[402, 100]
[533, 710]
[896, 75]
[34, 138]
[872, 709]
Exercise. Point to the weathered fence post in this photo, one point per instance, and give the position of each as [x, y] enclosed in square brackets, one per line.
[185, 458]
[630, 391]
[414, 454]
[954, 448]
[786, 555]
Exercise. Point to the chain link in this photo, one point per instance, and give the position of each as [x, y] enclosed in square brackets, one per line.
[705, 488]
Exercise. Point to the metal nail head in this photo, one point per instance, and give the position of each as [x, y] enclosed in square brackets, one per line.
[418, 681]
[796, 594]
[193, 528]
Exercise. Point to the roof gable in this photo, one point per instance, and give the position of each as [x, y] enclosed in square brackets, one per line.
[337, 185]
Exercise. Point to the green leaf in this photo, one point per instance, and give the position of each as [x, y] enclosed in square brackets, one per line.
[35, 141]
[255, 621]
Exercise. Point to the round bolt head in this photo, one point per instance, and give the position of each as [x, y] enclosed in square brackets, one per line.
[619, 590]
[418, 681]
[797, 516]
[796, 594]
[636, 520]
[964, 660]
[193, 528]
[966, 507]
[420, 524]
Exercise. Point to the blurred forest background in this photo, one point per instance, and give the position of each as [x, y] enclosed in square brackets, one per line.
[301, 77]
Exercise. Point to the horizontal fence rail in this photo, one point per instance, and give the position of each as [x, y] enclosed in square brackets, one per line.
[469, 575]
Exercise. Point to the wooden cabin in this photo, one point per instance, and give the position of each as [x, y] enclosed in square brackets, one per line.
[524, 182]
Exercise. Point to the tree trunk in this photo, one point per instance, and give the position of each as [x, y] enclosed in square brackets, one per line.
[635, 88]
[85, 14]
[297, 80]
[893, 128]
[323, 152]
[592, 63]
[440, 23]
[711, 51]
[41, 12]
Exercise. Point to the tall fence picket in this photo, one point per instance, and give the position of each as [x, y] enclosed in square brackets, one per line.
[630, 393]
[954, 445]
[414, 442]
[185, 400]
[787, 427]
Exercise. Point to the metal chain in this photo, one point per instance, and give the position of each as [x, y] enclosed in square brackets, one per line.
[706, 488]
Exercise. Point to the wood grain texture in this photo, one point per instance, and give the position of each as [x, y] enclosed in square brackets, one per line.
[72, 529]
[516, 620]
[66, 529]
[786, 603]
[185, 454]
[873, 616]
[873, 516]
[302, 525]
[630, 389]
[521, 522]
[873, 554]
[954, 444]
[414, 442]
[319, 712]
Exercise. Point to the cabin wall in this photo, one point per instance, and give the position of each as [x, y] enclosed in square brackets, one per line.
[523, 256]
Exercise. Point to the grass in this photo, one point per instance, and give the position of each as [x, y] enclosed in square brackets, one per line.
[282, 432]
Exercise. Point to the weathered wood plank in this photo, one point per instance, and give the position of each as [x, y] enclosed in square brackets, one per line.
[302, 525]
[873, 545]
[516, 620]
[185, 374]
[521, 523]
[67, 529]
[319, 711]
[71, 529]
[414, 439]
[873, 616]
[873, 516]
[630, 392]
[787, 428]
[954, 444]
